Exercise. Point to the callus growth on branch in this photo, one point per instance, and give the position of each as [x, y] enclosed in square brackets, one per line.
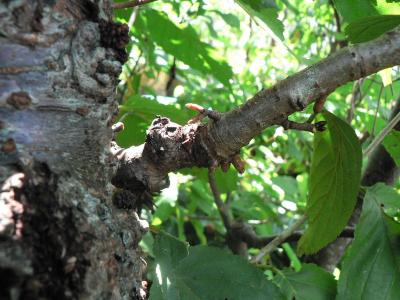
[143, 169]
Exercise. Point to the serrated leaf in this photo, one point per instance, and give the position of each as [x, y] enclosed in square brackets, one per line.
[369, 28]
[200, 274]
[266, 11]
[333, 185]
[311, 283]
[392, 145]
[184, 44]
[371, 267]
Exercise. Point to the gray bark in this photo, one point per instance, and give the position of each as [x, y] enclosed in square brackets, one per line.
[60, 235]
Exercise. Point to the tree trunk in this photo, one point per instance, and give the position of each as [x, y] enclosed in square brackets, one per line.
[60, 235]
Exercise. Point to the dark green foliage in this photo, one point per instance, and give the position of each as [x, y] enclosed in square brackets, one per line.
[311, 283]
[201, 272]
[371, 268]
[334, 182]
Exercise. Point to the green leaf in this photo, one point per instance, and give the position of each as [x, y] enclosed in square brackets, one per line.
[294, 260]
[229, 19]
[266, 11]
[369, 28]
[205, 273]
[386, 76]
[357, 9]
[226, 181]
[385, 195]
[392, 145]
[184, 44]
[333, 185]
[311, 283]
[371, 267]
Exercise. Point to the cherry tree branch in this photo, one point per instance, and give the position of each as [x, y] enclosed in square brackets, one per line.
[143, 170]
[273, 105]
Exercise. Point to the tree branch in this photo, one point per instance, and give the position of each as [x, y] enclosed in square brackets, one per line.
[132, 3]
[271, 106]
[143, 170]
[278, 240]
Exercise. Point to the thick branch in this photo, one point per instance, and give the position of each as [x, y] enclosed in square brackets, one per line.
[143, 170]
[271, 106]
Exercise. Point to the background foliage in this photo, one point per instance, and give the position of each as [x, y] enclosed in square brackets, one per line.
[218, 54]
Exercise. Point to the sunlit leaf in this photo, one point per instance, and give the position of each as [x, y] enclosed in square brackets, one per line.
[371, 268]
[357, 9]
[333, 185]
[266, 11]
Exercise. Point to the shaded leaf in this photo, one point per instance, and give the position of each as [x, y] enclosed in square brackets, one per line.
[392, 145]
[371, 267]
[333, 185]
[369, 28]
[199, 274]
[311, 283]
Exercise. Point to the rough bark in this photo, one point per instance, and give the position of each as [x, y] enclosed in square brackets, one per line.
[60, 235]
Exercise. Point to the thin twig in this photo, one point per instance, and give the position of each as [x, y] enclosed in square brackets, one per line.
[248, 235]
[377, 111]
[376, 142]
[278, 240]
[222, 209]
[354, 94]
[132, 3]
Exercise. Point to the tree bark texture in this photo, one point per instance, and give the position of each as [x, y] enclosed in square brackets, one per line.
[60, 235]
